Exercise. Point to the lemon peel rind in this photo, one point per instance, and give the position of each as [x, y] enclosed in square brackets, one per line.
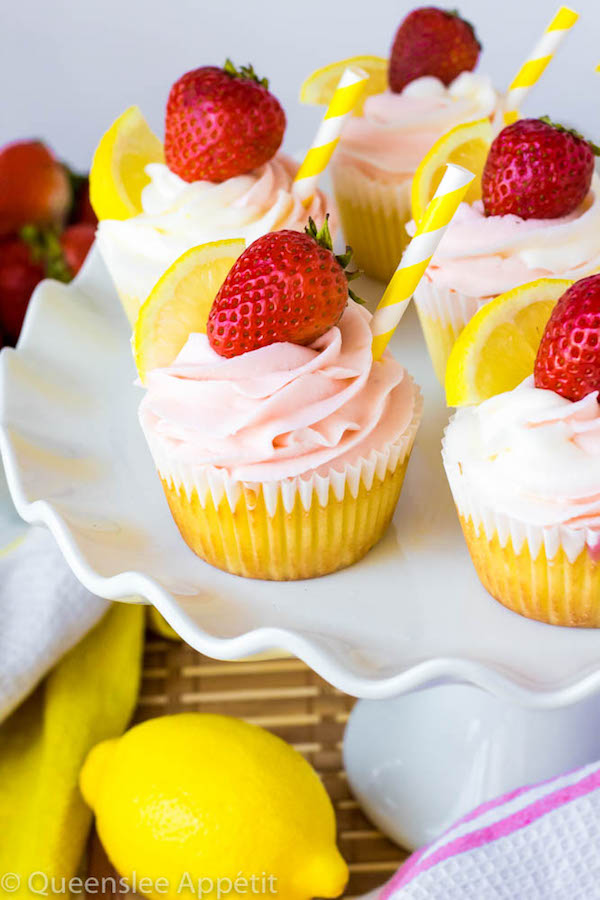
[318, 88]
[108, 196]
[201, 255]
[466, 353]
[438, 154]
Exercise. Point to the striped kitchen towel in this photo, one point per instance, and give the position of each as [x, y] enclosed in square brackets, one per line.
[540, 842]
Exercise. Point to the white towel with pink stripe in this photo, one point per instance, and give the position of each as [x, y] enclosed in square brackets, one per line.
[537, 843]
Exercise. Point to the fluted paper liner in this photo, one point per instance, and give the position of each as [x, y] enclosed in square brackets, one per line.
[548, 573]
[443, 314]
[292, 528]
[374, 215]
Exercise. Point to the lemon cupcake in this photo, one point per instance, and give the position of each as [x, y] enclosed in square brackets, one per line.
[539, 217]
[524, 470]
[281, 445]
[219, 176]
[430, 91]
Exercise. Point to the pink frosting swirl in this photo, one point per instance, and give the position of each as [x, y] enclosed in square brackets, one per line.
[482, 256]
[277, 179]
[396, 130]
[283, 410]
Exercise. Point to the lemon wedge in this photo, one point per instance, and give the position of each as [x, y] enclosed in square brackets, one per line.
[318, 89]
[180, 302]
[466, 145]
[496, 350]
[118, 172]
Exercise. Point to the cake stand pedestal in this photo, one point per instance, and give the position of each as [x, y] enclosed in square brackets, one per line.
[446, 749]
[483, 699]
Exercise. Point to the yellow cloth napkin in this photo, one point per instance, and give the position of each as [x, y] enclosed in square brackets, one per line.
[159, 625]
[89, 696]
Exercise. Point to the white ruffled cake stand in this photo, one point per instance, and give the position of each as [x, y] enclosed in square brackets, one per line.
[462, 698]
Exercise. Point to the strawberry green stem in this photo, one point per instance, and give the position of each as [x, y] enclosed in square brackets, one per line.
[246, 72]
[45, 248]
[576, 134]
[323, 237]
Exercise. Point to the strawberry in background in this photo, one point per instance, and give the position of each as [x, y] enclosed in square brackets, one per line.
[47, 227]
[434, 42]
[19, 274]
[82, 212]
[76, 241]
[34, 187]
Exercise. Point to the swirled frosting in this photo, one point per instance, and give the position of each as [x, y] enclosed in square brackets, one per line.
[397, 130]
[283, 410]
[482, 256]
[178, 215]
[530, 454]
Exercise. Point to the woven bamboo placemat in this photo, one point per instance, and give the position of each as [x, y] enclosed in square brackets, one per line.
[286, 697]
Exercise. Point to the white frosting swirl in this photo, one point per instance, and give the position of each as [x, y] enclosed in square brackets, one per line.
[397, 130]
[531, 455]
[178, 215]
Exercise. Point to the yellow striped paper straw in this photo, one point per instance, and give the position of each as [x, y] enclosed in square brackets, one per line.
[531, 70]
[347, 94]
[417, 256]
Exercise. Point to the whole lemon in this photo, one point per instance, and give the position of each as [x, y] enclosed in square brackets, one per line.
[210, 806]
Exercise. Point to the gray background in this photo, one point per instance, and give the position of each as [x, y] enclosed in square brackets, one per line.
[68, 68]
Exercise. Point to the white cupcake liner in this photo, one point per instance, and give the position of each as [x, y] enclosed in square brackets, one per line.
[551, 537]
[213, 482]
[374, 216]
[134, 274]
[448, 306]
[366, 190]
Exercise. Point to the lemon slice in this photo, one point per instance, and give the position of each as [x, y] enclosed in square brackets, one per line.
[180, 302]
[118, 169]
[318, 89]
[466, 145]
[497, 348]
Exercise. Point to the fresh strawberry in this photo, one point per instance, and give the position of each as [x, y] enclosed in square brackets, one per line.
[82, 212]
[537, 170]
[221, 123]
[34, 187]
[286, 286]
[432, 41]
[19, 274]
[76, 241]
[568, 358]
[37, 253]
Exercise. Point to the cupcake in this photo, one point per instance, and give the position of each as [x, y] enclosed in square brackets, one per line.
[431, 90]
[524, 470]
[539, 216]
[222, 177]
[281, 445]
